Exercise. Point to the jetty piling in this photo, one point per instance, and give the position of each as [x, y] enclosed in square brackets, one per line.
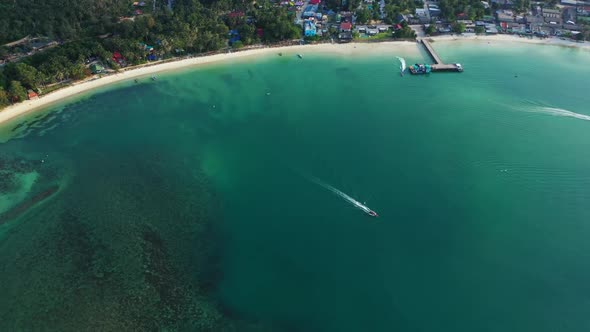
[438, 64]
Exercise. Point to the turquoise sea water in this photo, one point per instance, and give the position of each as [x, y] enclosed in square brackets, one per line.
[186, 203]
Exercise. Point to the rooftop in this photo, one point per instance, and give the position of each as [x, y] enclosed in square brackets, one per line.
[346, 26]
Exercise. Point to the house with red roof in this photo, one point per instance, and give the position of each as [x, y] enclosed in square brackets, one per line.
[345, 34]
[345, 27]
[32, 95]
[119, 59]
[235, 14]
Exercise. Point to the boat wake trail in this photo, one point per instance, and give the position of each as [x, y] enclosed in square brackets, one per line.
[347, 198]
[560, 112]
[402, 65]
[543, 108]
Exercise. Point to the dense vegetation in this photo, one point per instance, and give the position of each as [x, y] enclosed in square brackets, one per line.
[63, 19]
[473, 9]
[393, 8]
[391, 11]
[405, 32]
[189, 27]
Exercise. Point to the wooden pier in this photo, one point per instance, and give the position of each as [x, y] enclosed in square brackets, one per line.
[438, 64]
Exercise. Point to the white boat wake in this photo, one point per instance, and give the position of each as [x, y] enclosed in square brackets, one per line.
[402, 66]
[560, 112]
[543, 108]
[349, 199]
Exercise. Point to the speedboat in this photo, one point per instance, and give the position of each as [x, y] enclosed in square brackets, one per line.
[373, 213]
[300, 56]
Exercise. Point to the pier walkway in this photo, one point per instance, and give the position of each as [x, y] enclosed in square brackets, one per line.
[438, 64]
[432, 52]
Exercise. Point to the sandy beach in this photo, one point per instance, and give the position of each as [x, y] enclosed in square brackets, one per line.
[350, 49]
[91, 83]
[512, 39]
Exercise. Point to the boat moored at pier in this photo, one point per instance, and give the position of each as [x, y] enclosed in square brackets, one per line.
[438, 64]
[419, 69]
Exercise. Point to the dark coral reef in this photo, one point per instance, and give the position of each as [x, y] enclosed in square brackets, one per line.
[128, 245]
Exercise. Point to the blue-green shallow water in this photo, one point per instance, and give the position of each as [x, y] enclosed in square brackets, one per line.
[189, 195]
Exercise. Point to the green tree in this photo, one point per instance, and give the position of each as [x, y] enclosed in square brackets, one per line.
[24, 73]
[521, 5]
[480, 30]
[277, 24]
[238, 44]
[3, 79]
[363, 16]
[405, 32]
[27, 75]
[391, 12]
[247, 33]
[78, 71]
[458, 27]
[431, 30]
[4, 100]
[17, 92]
[64, 19]
[333, 4]
[376, 14]
[353, 4]
[55, 68]
[312, 39]
[477, 11]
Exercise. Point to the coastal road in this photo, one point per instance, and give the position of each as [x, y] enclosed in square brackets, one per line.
[419, 30]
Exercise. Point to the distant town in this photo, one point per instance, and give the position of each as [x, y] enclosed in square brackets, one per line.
[568, 19]
[38, 58]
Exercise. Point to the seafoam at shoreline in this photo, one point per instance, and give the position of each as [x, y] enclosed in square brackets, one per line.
[350, 49]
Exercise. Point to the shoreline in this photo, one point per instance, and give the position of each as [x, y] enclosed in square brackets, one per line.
[512, 38]
[14, 111]
[91, 83]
